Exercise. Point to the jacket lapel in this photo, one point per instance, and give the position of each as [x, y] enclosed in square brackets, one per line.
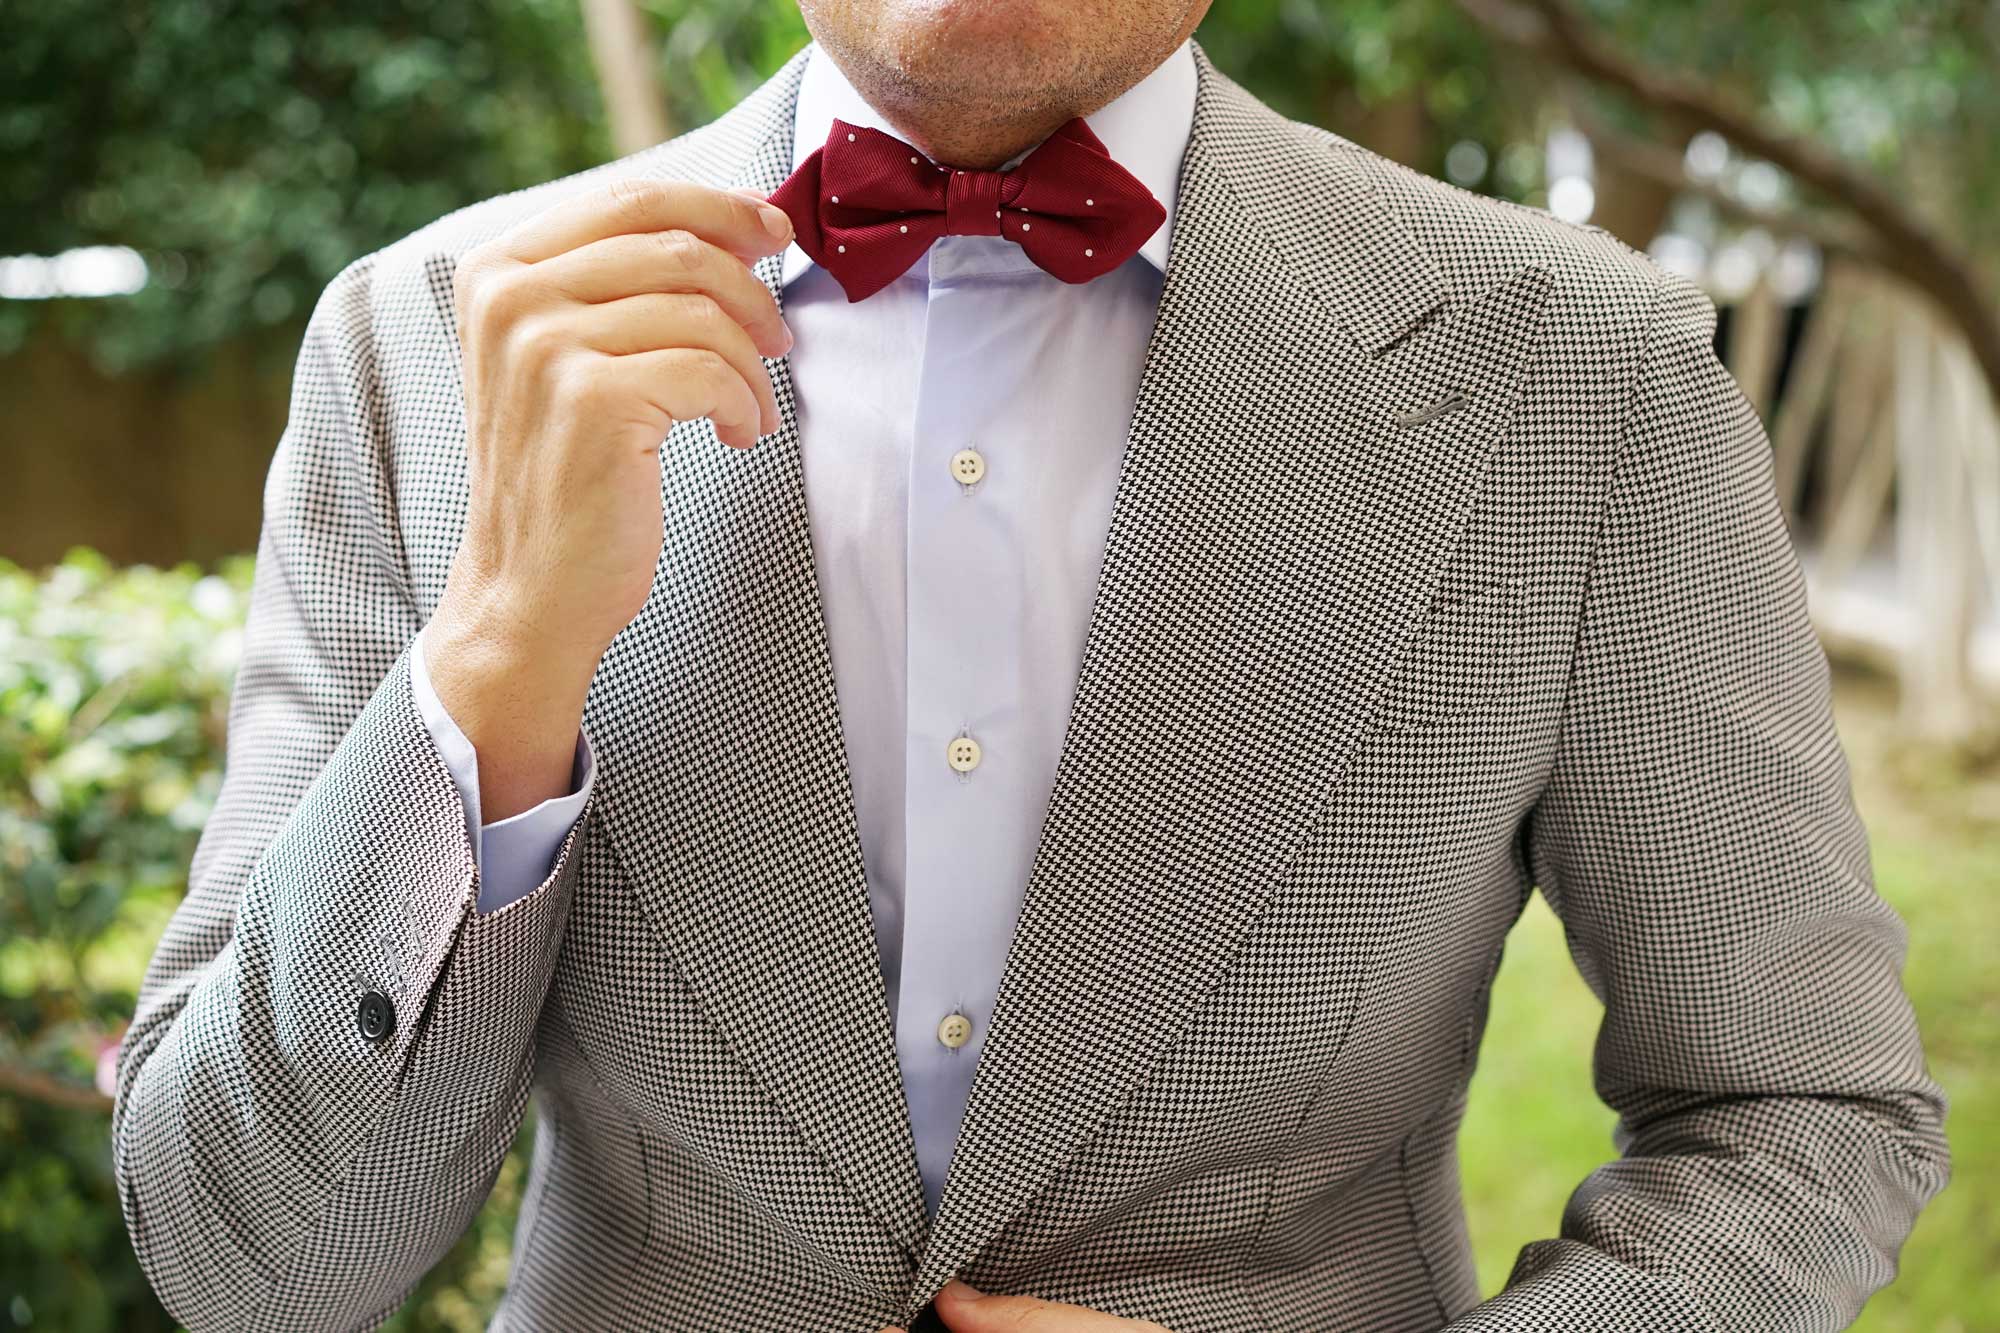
[726, 794]
[1276, 535]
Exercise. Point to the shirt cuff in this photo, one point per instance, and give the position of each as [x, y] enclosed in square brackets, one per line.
[514, 855]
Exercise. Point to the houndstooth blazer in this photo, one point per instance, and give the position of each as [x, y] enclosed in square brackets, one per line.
[1445, 561]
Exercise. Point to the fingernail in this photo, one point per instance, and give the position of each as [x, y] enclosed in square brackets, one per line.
[960, 1289]
[775, 222]
[790, 341]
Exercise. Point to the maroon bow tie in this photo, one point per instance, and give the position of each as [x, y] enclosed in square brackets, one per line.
[866, 204]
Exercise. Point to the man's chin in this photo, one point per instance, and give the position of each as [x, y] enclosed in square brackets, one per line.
[948, 49]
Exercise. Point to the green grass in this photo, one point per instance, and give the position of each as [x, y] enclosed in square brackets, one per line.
[1534, 1128]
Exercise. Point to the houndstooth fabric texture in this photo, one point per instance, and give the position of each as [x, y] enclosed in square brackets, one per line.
[1445, 561]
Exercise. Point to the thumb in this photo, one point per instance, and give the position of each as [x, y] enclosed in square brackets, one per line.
[964, 1309]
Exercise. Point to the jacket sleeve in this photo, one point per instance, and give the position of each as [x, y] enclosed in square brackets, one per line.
[1777, 1127]
[277, 1167]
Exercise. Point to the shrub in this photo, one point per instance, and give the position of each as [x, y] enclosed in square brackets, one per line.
[114, 687]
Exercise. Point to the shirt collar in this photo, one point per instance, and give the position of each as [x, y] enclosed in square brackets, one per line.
[1145, 130]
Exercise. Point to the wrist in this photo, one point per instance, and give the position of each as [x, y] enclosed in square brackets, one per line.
[518, 699]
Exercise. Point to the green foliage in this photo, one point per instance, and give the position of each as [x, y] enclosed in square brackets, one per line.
[113, 690]
[1903, 86]
[251, 150]
[65, 1262]
[712, 52]
[1326, 62]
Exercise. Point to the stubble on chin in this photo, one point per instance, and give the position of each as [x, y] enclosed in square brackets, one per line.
[972, 81]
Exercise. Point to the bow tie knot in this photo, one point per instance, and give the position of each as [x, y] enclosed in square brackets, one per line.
[974, 202]
[865, 205]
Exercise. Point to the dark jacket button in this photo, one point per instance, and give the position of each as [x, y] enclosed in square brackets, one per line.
[377, 1016]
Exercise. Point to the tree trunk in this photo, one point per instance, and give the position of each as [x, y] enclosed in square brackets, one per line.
[622, 51]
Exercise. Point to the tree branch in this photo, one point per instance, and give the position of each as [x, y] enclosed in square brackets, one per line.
[1644, 158]
[1903, 242]
[23, 1081]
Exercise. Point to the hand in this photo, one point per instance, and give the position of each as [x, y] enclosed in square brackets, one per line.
[964, 1310]
[587, 330]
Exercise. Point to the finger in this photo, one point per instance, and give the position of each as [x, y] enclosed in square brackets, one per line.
[737, 223]
[668, 261]
[686, 383]
[965, 1310]
[655, 320]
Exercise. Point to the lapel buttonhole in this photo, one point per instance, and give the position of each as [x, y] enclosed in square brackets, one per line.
[1452, 402]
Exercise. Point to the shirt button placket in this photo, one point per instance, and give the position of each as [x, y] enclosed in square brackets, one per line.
[968, 466]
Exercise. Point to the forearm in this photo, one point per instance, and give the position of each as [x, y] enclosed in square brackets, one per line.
[517, 697]
[513, 854]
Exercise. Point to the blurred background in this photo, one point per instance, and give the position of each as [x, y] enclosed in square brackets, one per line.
[180, 178]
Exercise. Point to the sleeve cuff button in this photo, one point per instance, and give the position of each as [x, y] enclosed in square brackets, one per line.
[376, 1017]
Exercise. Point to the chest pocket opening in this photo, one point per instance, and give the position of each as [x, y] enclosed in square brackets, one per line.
[1460, 659]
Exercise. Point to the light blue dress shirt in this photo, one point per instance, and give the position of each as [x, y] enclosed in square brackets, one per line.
[961, 434]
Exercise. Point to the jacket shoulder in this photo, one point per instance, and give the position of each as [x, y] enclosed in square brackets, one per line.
[1477, 241]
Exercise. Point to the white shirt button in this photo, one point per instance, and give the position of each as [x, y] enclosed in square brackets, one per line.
[962, 754]
[954, 1031]
[968, 466]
